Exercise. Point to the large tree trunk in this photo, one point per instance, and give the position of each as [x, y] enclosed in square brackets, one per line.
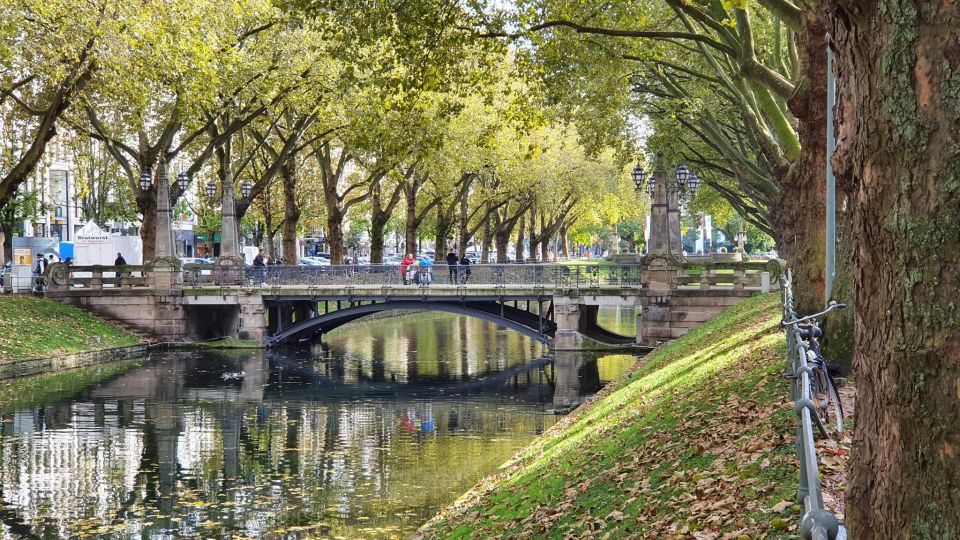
[899, 63]
[799, 219]
[291, 212]
[148, 226]
[563, 240]
[335, 237]
[798, 216]
[376, 241]
[520, 228]
[502, 239]
[380, 213]
[463, 234]
[444, 224]
[487, 238]
[410, 226]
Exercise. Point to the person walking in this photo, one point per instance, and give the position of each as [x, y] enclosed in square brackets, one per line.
[260, 266]
[120, 261]
[452, 266]
[38, 272]
[405, 265]
[464, 269]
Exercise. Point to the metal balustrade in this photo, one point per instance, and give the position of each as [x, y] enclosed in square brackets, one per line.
[817, 522]
[438, 275]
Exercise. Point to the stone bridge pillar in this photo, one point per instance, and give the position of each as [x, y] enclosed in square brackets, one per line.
[566, 314]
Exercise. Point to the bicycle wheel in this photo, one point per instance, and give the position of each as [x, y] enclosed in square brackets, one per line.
[835, 404]
[826, 400]
[819, 396]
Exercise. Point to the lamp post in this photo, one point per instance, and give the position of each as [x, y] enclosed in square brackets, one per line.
[665, 208]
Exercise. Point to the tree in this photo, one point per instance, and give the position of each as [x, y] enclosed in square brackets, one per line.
[747, 81]
[184, 92]
[99, 183]
[24, 205]
[51, 53]
[898, 66]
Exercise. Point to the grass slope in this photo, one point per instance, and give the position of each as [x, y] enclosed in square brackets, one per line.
[34, 327]
[697, 442]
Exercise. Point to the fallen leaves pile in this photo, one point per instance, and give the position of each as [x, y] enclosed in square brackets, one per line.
[698, 442]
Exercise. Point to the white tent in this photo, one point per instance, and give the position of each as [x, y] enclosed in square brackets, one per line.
[93, 245]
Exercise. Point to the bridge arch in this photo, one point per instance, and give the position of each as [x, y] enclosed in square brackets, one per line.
[530, 324]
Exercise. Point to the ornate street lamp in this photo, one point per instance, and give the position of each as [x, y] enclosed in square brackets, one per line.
[183, 180]
[638, 175]
[683, 173]
[652, 185]
[145, 181]
[245, 189]
[211, 189]
[693, 184]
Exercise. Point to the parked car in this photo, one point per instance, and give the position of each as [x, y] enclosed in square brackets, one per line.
[196, 261]
[316, 261]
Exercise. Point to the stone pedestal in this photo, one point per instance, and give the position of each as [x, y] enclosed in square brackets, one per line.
[163, 230]
[165, 274]
[229, 245]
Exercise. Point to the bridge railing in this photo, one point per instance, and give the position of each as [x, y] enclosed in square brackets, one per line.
[574, 276]
[61, 277]
[736, 275]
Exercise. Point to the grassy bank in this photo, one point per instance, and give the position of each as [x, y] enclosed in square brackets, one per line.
[44, 389]
[697, 442]
[34, 327]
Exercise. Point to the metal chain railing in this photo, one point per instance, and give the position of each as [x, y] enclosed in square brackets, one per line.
[817, 522]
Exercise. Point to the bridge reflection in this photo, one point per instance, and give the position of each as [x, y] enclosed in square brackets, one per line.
[186, 440]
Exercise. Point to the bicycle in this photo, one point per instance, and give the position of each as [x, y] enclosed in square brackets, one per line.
[823, 389]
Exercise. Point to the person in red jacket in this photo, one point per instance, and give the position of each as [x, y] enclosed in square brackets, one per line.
[405, 265]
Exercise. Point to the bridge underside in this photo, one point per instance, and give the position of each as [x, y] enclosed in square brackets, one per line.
[536, 321]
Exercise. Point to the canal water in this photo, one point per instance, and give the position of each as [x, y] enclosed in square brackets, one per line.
[367, 435]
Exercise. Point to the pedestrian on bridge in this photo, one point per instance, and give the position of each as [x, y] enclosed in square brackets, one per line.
[120, 261]
[260, 265]
[464, 269]
[405, 267]
[452, 266]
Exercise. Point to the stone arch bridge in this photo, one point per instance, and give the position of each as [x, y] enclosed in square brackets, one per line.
[553, 303]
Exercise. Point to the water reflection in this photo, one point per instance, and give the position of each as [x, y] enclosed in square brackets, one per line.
[366, 436]
[619, 319]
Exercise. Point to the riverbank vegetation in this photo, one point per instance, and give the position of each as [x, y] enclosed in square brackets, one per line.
[698, 438]
[35, 328]
[52, 388]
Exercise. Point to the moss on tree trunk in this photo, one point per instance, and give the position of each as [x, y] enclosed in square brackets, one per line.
[899, 66]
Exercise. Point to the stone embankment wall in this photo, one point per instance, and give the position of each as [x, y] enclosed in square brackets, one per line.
[10, 369]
